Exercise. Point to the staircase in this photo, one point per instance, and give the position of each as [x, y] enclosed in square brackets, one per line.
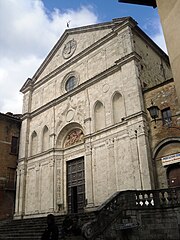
[122, 211]
[33, 228]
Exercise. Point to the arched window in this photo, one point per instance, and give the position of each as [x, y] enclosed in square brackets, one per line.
[99, 116]
[34, 143]
[45, 142]
[118, 107]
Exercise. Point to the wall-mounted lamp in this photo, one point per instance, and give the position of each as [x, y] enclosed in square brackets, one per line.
[154, 111]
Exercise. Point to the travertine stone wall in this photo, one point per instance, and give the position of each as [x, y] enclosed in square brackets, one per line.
[154, 66]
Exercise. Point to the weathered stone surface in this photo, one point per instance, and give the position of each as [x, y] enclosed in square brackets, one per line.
[106, 104]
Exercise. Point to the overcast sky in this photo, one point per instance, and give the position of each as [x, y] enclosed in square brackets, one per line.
[30, 28]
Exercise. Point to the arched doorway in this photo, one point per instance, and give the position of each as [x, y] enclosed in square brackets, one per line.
[71, 140]
[167, 162]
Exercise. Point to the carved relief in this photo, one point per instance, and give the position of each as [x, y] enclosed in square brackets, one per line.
[69, 49]
[74, 137]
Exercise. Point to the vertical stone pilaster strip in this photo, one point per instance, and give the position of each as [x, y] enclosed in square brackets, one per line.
[51, 186]
[112, 186]
[89, 176]
[22, 190]
[37, 188]
[17, 192]
[59, 183]
[135, 159]
[144, 157]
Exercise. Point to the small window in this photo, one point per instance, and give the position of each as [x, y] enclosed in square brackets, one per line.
[14, 145]
[70, 84]
[10, 178]
[166, 116]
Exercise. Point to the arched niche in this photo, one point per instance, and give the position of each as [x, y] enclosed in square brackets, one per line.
[99, 116]
[45, 139]
[118, 107]
[72, 134]
[34, 143]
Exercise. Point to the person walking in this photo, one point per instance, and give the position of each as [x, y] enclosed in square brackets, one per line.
[51, 232]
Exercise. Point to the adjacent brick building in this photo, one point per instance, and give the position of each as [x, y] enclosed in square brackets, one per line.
[165, 134]
[9, 141]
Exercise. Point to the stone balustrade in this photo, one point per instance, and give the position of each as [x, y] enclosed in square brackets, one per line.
[130, 200]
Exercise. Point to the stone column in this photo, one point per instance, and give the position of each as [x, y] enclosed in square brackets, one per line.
[89, 176]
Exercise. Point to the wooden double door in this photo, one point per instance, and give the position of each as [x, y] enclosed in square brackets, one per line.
[76, 185]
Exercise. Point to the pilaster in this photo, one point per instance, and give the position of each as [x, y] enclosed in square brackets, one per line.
[89, 175]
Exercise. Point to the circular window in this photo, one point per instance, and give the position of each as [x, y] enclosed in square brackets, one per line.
[70, 84]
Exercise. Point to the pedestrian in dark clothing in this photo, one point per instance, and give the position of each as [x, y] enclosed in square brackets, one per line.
[67, 226]
[51, 232]
[77, 226]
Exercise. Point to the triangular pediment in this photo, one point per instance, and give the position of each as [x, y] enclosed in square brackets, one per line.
[72, 43]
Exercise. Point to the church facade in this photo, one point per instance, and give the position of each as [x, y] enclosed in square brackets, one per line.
[84, 132]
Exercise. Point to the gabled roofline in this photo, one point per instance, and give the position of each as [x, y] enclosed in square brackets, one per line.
[72, 31]
[27, 85]
[154, 45]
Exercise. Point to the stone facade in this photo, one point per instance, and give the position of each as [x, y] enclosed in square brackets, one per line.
[9, 140]
[84, 130]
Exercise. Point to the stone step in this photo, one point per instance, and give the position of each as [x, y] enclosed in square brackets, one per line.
[33, 228]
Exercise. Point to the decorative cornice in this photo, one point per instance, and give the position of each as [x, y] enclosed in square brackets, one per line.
[83, 86]
[27, 86]
[114, 126]
[131, 56]
[171, 80]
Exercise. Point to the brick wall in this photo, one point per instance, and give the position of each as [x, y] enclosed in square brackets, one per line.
[9, 127]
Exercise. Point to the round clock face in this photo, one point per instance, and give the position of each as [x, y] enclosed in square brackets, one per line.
[69, 48]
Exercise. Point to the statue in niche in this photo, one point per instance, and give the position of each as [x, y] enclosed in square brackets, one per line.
[74, 137]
